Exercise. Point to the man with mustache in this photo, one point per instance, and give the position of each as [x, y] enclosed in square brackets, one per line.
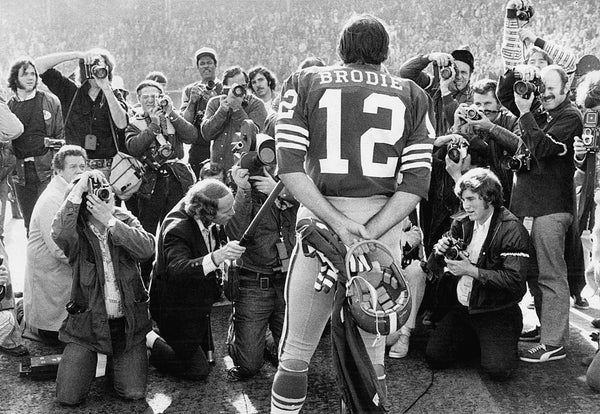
[263, 84]
[40, 114]
[543, 197]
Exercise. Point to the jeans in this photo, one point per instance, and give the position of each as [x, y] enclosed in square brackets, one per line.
[458, 335]
[127, 369]
[30, 192]
[548, 235]
[254, 310]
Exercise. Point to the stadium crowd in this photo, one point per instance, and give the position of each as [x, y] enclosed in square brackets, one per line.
[492, 149]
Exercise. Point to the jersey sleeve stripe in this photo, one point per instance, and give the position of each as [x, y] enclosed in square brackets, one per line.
[415, 165]
[417, 147]
[290, 145]
[291, 128]
[292, 138]
[421, 156]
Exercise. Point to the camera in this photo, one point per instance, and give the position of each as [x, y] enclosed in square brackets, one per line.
[472, 113]
[99, 189]
[96, 69]
[73, 308]
[163, 153]
[255, 150]
[591, 130]
[517, 162]
[210, 85]
[456, 247]
[238, 91]
[446, 71]
[457, 150]
[53, 143]
[525, 14]
[161, 101]
[526, 88]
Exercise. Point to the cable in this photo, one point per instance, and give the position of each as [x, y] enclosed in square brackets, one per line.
[422, 394]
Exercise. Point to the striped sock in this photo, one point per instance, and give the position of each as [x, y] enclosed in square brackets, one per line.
[289, 390]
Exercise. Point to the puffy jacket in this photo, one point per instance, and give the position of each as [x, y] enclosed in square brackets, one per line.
[129, 243]
[502, 262]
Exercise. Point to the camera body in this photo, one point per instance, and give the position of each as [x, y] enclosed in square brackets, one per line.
[472, 113]
[210, 85]
[517, 163]
[254, 150]
[161, 101]
[457, 246]
[239, 91]
[163, 153]
[53, 143]
[525, 14]
[96, 69]
[446, 71]
[99, 189]
[591, 130]
[457, 150]
[526, 88]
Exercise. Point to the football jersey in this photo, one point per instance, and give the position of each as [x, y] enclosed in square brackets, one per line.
[355, 132]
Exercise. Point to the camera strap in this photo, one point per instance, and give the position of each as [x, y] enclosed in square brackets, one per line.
[70, 107]
[586, 204]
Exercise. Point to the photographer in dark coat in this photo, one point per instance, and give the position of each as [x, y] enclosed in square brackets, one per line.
[484, 258]
[108, 310]
[184, 283]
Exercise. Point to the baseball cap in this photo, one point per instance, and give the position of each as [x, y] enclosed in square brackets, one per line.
[464, 56]
[205, 51]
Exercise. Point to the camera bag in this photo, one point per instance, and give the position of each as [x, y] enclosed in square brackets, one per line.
[126, 172]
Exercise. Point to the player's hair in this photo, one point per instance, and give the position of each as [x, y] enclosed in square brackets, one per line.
[588, 90]
[483, 86]
[13, 77]
[202, 199]
[269, 76]
[545, 55]
[564, 78]
[364, 39]
[157, 76]
[233, 71]
[311, 61]
[58, 161]
[481, 181]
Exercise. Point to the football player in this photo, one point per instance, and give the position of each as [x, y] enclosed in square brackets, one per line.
[354, 147]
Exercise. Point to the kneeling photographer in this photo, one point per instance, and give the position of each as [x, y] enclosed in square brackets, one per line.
[262, 268]
[484, 259]
[108, 307]
[156, 135]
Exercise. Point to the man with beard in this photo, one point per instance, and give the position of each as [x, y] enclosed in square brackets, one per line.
[40, 114]
[543, 198]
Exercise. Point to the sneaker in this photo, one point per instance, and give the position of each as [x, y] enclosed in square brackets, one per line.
[531, 336]
[400, 348]
[234, 375]
[596, 323]
[543, 353]
[581, 303]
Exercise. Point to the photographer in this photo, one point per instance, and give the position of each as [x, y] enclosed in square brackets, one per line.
[185, 283]
[225, 113]
[40, 114]
[91, 110]
[487, 271]
[542, 53]
[10, 331]
[156, 135]
[48, 275]
[450, 85]
[194, 99]
[108, 310]
[262, 270]
[543, 198]
[497, 129]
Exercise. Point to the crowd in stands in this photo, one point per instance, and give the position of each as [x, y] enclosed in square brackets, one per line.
[162, 34]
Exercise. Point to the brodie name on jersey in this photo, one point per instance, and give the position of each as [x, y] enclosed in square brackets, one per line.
[341, 76]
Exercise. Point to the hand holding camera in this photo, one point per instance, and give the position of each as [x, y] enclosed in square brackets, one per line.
[235, 96]
[241, 177]
[164, 103]
[263, 183]
[441, 59]
[579, 149]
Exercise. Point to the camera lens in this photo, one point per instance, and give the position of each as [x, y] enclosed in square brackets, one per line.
[515, 163]
[454, 153]
[210, 85]
[100, 72]
[239, 91]
[522, 88]
[446, 72]
[103, 194]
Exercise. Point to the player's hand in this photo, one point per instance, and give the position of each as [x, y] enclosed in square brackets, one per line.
[241, 177]
[231, 251]
[264, 184]
[440, 58]
[523, 104]
[351, 232]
